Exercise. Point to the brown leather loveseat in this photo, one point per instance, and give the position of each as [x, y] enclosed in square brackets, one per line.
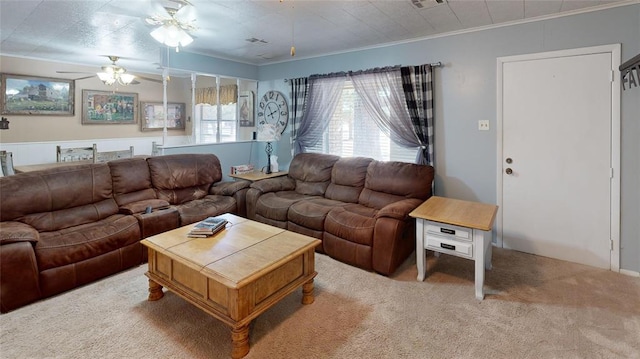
[65, 227]
[358, 207]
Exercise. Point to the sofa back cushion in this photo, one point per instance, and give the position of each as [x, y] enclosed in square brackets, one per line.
[184, 177]
[58, 198]
[388, 182]
[312, 172]
[131, 180]
[347, 179]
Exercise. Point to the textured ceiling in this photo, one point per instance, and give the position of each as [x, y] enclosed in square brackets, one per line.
[85, 31]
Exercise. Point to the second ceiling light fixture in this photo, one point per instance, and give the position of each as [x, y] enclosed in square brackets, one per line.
[172, 31]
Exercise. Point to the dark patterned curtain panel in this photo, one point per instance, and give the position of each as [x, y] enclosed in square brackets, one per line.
[418, 91]
[298, 96]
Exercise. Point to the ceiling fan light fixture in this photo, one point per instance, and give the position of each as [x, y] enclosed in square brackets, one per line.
[172, 36]
[107, 78]
[113, 77]
[126, 79]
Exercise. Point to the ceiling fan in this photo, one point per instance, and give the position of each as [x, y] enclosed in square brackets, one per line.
[113, 74]
[173, 29]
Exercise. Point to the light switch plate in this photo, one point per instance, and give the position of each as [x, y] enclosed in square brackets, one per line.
[483, 125]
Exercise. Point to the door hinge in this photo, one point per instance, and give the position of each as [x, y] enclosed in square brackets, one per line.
[611, 245]
[610, 172]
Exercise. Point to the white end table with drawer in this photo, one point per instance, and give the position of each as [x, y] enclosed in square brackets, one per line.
[455, 227]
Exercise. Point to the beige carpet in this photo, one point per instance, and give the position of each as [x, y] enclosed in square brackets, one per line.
[534, 308]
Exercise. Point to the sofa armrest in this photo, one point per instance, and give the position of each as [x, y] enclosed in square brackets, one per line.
[20, 283]
[228, 188]
[13, 232]
[400, 209]
[284, 183]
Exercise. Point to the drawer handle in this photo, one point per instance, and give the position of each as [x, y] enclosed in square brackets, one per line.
[447, 231]
[447, 246]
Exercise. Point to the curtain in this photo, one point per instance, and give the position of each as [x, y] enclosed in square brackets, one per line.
[383, 98]
[228, 94]
[401, 103]
[417, 82]
[298, 96]
[324, 94]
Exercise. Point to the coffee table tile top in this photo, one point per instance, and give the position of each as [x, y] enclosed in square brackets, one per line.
[232, 255]
[240, 268]
[203, 251]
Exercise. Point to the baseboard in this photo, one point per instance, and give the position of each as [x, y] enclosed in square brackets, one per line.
[629, 273]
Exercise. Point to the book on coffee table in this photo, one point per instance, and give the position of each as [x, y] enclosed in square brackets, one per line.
[208, 227]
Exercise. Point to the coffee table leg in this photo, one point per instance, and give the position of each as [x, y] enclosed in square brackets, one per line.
[155, 291]
[240, 341]
[307, 292]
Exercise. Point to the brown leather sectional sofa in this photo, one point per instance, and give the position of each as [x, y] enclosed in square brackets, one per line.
[358, 207]
[65, 227]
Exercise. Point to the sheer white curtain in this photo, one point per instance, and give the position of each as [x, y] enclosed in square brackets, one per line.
[324, 94]
[383, 96]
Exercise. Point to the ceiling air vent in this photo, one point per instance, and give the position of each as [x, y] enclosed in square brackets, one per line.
[254, 40]
[423, 4]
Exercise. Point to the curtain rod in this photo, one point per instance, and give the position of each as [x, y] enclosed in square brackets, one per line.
[433, 64]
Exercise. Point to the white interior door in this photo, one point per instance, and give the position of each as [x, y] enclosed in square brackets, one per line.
[556, 157]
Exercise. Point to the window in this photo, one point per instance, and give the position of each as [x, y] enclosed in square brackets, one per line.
[216, 110]
[352, 132]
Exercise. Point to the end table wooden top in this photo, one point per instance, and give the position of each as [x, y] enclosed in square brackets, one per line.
[457, 212]
[258, 175]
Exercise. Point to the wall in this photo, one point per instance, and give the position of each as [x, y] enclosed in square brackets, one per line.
[465, 92]
[33, 139]
[61, 128]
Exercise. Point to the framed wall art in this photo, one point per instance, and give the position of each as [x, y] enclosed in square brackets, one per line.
[32, 95]
[106, 107]
[153, 116]
[246, 109]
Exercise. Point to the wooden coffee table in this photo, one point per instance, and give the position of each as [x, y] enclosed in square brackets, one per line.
[235, 275]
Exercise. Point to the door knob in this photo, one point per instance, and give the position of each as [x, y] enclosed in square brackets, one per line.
[509, 160]
[508, 171]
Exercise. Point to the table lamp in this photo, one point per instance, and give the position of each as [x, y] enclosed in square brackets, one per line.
[268, 133]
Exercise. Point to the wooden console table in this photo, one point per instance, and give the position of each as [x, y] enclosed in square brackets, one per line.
[455, 227]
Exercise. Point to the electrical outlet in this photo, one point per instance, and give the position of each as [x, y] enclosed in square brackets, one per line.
[483, 125]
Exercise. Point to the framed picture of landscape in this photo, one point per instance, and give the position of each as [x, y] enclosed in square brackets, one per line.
[107, 107]
[32, 95]
[153, 116]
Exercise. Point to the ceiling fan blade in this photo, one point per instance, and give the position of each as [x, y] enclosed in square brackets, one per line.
[148, 79]
[84, 78]
[74, 72]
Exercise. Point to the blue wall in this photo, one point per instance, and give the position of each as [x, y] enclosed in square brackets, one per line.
[465, 92]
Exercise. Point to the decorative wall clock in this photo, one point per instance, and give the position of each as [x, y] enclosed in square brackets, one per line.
[273, 109]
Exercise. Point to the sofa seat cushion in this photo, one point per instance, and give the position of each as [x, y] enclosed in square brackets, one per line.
[79, 243]
[208, 206]
[353, 222]
[275, 205]
[311, 213]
